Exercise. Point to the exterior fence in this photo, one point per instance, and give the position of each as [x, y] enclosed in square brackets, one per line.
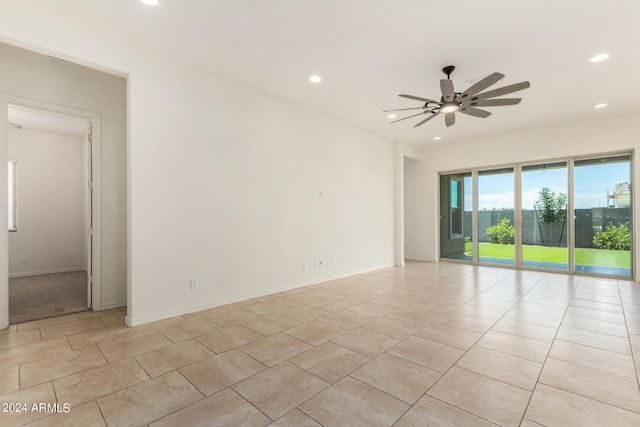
[587, 223]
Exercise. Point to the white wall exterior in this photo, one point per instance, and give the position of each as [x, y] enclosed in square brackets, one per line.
[50, 203]
[596, 136]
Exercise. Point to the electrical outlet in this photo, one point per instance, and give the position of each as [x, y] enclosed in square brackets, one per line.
[304, 266]
[193, 283]
[320, 263]
[25, 259]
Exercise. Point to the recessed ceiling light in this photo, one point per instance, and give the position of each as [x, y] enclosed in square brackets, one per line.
[599, 58]
[391, 116]
[315, 79]
[437, 138]
[600, 105]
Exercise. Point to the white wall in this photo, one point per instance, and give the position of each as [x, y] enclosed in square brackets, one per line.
[413, 222]
[50, 203]
[221, 184]
[574, 139]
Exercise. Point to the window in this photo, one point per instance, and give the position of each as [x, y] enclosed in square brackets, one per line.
[13, 205]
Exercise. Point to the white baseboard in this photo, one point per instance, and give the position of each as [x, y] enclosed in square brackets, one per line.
[58, 270]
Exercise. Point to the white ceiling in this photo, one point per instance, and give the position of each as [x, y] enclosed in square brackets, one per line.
[369, 51]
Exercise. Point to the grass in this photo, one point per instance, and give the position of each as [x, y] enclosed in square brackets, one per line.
[587, 256]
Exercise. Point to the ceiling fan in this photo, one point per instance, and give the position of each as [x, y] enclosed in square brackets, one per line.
[463, 102]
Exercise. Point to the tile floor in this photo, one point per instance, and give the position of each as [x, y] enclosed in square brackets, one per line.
[426, 344]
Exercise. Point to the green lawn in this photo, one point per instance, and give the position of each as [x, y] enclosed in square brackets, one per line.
[603, 257]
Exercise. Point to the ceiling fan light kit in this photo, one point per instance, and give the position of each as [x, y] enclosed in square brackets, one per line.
[463, 102]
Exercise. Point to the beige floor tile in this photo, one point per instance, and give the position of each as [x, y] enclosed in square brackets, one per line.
[485, 397]
[592, 383]
[595, 305]
[270, 307]
[398, 377]
[85, 415]
[516, 346]
[305, 313]
[550, 320]
[114, 319]
[598, 298]
[19, 338]
[189, 329]
[72, 327]
[346, 319]
[25, 399]
[596, 325]
[512, 370]
[96, 337]
[275, 348]
[12, 329]
[35, 351]
[608, 361]
[526, 330]
[394, 326]
[132, 346]
[352, 403]
[272, 324]
[556, 301]
[280, 389]
[594, 339]
[148, 401]
[529, 423]
[558, 408]
[295, 418]
[315, 332]
[332, 304]
[449, 335]
[433, 355]
[228, 338]
[154, 326]
[47, 322]
[221, 371]
[9, 380]
[536, 307]
[481, 311]
[366, 342]
[300, 299]
[329, 361]
[59, 366]
[372, 309]
[223, 409]
[234, 317]
[607, 316]
[166, 359]
[90, 313]
[98, 382]
[470, 323]
[431, 412]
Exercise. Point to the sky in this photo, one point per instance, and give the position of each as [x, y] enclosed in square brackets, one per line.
[591, 183]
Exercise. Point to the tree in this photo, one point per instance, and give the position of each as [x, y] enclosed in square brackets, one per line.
[551, 206]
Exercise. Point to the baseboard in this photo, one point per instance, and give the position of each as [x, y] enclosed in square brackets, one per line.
[112, 305]
[37, 273]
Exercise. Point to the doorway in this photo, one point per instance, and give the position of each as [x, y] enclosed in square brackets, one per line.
[49, 178]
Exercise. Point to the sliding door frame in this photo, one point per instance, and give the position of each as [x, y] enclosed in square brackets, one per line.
[518, 218]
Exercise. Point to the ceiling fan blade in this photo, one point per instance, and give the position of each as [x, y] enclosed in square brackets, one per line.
[426, 120]
[492, 102]
[408, 117]
[481, 85]
[503, 90]
[448, 93]
[476, 112]
[417, 98]
[403, 109]
[450, 119]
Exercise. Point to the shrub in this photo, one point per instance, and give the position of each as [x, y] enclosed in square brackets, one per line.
[502, 232]
[613, 237]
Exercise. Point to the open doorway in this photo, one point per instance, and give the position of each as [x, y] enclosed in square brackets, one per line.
[49, 243]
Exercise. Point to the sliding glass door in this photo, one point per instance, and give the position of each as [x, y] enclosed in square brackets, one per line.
[495, 217]
[603, 215]
[572, 215]
[545, 223]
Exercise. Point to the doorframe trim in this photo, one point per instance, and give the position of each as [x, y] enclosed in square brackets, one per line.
[96, 203]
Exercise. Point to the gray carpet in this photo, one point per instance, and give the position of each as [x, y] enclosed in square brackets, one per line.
[46, 295]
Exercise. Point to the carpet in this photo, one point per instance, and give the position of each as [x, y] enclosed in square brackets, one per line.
[46, 295]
